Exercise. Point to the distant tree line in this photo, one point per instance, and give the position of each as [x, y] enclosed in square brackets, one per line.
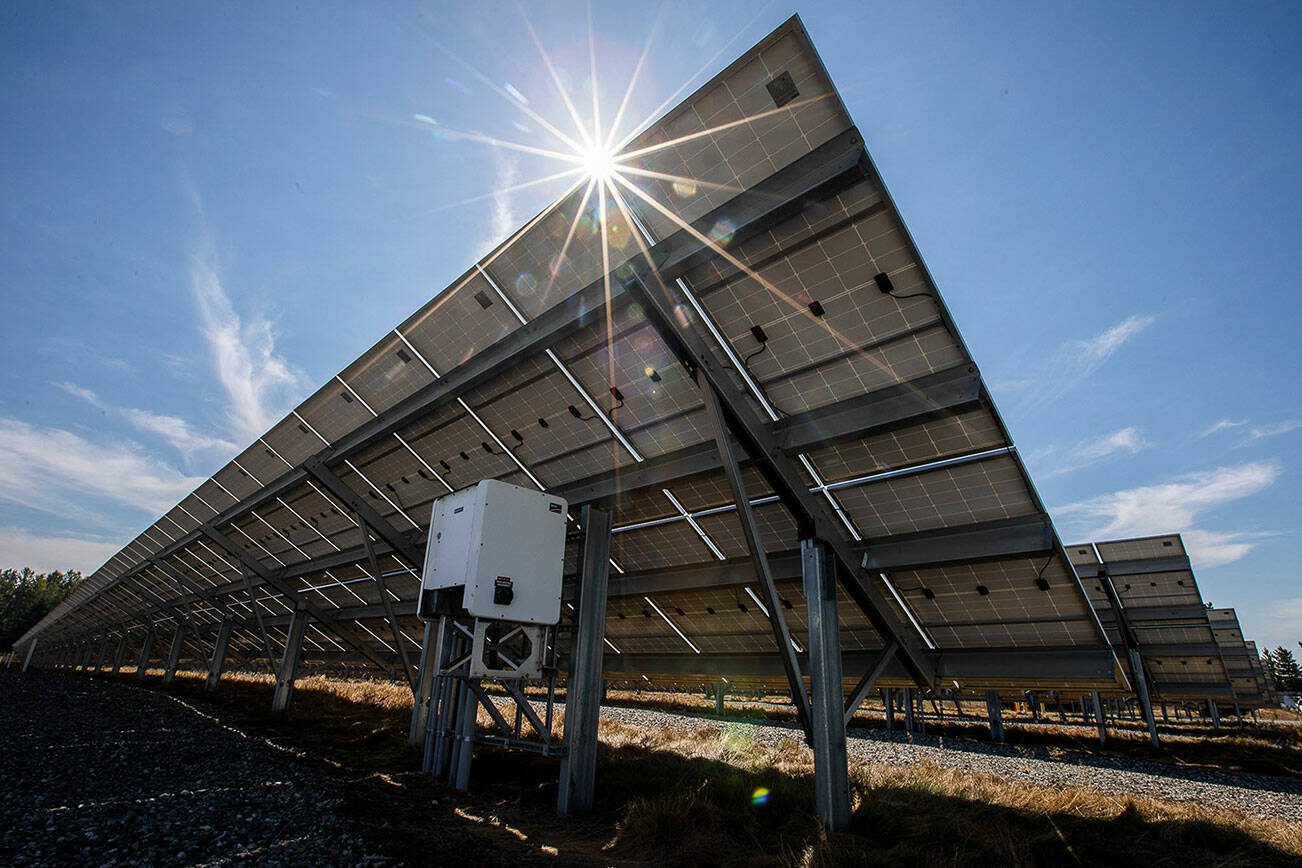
[26, 596]
[1282, 664]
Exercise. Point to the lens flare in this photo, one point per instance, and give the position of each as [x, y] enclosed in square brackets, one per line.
[599, 163]
[760, 796]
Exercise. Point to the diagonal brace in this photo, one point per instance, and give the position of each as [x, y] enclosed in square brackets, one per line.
[755, 544]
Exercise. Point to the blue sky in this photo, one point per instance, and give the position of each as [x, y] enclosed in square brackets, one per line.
[207, 211]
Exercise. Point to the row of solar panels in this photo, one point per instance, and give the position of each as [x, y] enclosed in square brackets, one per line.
[756, 204]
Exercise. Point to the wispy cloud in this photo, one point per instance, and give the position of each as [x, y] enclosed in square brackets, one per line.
[504, 221]
[58, 472]
[19, 548]
[1078, 359]
[1274, 430]
[1286, 617]
[260, 384]
[1127, 441]
[1175, 506]
[171, 429]
[1223, 425]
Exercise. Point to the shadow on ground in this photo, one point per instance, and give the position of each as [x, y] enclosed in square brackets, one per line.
[661, 807]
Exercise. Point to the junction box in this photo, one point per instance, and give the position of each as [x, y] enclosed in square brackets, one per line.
[505, 545]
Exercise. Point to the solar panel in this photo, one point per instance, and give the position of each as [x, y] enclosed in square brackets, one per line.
[767, 220]
[1240, 656]
[1155, 585]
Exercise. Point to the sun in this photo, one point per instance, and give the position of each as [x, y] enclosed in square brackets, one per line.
[598, 162]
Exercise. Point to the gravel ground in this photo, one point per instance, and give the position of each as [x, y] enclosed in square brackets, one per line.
[1258, 796]
[100, 773]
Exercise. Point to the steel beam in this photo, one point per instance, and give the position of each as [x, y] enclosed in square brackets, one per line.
[174, 653]
[814, 516]
[1025, 536]
[583, 692]
[759, 560]
[218, 661]
[146, 650]
[430, 642]
[868, 680]
[399, 643]
[120, 657]
[369, 516]
[995, 714]
[288, 668]
[1099, 718]
[1172, 564]
[884, 410]
[253, 565]
[1052, 667]
[827, 708]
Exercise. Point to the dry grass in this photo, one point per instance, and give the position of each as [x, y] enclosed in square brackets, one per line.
[1272, 745]
[685, 796]
[987, 817]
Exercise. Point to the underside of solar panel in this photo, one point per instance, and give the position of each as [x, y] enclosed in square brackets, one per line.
[756, 206]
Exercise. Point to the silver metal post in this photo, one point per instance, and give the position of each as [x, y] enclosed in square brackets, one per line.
[120, 657]
[463, 751]
[1099, 718]
[583, 689]
[888, 707]
[909, 721]
[827, 707]
[995, 711]
[284, 692]
[431, 640]
[218, 661]
[719, 691]
[174, 654]
[27, 661]
[1215, 713]
[146, 651]
[1145, 702]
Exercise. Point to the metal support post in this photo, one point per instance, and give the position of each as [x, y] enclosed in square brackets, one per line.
[102, 659]
[908, 710]
[31, 648]
[120, 657]
[1215, 713]
[1145, 702]
[720, 690]
[583, 689]
[827, 707]
[1099, 718]
[289, 660]
[755, 545]
[174, 654]
[146, 651]
[463, 750]
[1166, 718]
[995, 712]
[888, 707]
[429, 664]
[218, 661]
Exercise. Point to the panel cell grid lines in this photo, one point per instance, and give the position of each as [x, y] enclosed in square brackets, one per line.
[1164, 611]
[766, 222]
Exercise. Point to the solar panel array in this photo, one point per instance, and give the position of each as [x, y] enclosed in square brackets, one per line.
[530, 369]
[1155, 583]
[1241, 661]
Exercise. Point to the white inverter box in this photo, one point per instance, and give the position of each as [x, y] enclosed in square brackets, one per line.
[503, 543]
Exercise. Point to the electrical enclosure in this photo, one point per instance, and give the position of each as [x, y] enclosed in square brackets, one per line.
[505, 545]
